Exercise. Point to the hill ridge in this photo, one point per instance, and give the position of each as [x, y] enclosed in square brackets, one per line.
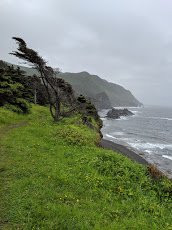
[104, 94]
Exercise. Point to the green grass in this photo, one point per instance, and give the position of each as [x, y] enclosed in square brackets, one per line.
[54, 177]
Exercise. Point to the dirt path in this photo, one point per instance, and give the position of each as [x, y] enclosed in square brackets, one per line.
[3, 132]
[8, 128]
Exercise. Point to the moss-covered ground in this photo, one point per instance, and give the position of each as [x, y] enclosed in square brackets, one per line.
[53, 176]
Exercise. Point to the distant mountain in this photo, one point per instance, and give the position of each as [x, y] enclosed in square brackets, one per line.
[96, 88]
[102, 93]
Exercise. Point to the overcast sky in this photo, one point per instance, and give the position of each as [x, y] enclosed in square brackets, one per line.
[128, 42]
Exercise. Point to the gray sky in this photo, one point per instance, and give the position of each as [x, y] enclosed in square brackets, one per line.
[128, 42]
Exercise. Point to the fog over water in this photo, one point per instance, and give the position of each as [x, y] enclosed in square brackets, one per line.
[126, 42]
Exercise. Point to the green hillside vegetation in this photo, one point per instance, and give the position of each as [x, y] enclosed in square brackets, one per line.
[53, 176]
[91, 86]
[14, 90]
[18, 90]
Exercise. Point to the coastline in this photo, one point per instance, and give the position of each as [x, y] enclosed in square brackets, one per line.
[121, 149]
[156, 152]
[106, 144]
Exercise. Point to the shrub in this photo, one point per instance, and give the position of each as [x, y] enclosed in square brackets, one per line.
[14, 90]
[21, 106]
[154, 172]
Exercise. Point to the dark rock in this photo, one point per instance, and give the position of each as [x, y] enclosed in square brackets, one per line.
[117, 113]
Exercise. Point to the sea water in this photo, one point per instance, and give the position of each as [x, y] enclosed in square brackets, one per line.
[148, 132]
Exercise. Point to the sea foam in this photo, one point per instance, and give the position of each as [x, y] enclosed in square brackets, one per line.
[168, 157]
[118, 133]
[142, 146]
[110, 136]
[161, 118]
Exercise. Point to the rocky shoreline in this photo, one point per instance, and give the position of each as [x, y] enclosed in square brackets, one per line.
[123, 150]
[117, 113]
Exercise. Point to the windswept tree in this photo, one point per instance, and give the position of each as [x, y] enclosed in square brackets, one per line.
[60, 94]
[58, 91]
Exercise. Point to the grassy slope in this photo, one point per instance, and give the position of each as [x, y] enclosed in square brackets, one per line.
[54, 177]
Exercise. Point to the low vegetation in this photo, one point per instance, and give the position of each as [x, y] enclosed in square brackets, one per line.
[53, 176]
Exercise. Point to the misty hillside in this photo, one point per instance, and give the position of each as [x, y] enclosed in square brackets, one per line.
[92, 85]
[102, 93]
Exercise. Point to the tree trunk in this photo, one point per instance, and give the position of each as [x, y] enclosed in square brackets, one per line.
[57, 110]
[35, 97]
[51, 111]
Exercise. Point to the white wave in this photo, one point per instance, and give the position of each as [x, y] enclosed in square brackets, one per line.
[126, 107]
[134, 111]
[168, 157]
[147, 146]
[122, 118]
[125, 139]
[103, 118]
[118, 133]
[148, 151]
[161, 118]
[110, 136]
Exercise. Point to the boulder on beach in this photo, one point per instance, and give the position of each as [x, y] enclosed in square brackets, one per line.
[117, 113]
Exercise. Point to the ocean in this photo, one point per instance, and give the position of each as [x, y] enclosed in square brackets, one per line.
[148, 133]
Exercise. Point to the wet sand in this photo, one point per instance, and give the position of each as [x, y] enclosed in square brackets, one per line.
[106, 144]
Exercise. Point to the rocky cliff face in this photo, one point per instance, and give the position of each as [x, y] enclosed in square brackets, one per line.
[101, 101]
[99, 90]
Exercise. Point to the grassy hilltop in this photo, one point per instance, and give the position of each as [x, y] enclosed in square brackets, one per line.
[53, 176]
